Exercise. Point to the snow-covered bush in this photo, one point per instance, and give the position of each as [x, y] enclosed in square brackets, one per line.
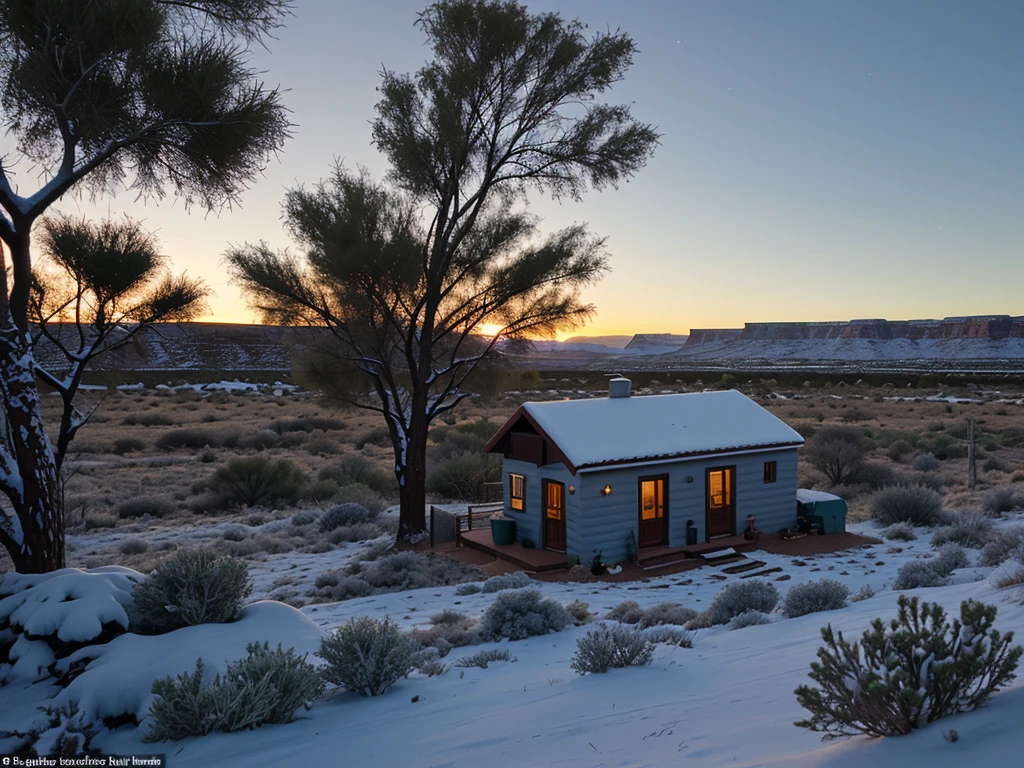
[925, 462]
[700, 621]
[579, 611]
[666, 613]
[628, 612]
[741, 596]
[917, 574]
[306, 517]
[913, 672]
[1003, 545]
[522, 613]
[46, 617]
[667, 634]
[968, 529]
[433, 668]
[749, 619]
[263, 688]
[345, 514]
[335, 587]
[612, 647]
[465, 590]
[1002, 498]
[482, 658]
[514, 580]
[193, 587]
[815, 596]
[899, 532]
[63, 732]
[449, 629]
[367, 656]
[866, 592]
[951, 556]
[401, 571]
[913, 504]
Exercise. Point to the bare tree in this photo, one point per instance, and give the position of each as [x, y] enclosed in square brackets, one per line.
[406, 275]
[143, 93]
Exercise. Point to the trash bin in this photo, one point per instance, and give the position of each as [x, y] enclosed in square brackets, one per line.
[503, 531]
[825, 511]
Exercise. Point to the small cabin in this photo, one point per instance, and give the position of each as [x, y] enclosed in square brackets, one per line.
[618, 474]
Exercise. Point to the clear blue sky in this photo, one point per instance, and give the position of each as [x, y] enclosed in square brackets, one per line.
[821, 160]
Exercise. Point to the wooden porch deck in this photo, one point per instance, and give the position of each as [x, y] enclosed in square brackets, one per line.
[536, 560]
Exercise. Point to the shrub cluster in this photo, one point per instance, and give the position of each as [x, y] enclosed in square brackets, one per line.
[258, 480]
[969, 529]
[522, 613]
[482, 658]
[1001, 499]
[514, 580]
[899, 532]
[629, 612]
[749, 619]
[265, 687]
[913, 504]
[925, 462]
[394, 572]
[741, 596]
[345, 514]
[815, 596]
[448, 629]
[666, 634]
[367, 656]
[193, 587]
[913, 672]
[613, 647]
[1003, 545]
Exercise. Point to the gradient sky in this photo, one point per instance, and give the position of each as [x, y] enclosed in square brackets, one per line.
[819, 160]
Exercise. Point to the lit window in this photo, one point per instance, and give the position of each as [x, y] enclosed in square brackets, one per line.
[770, 470]
[516, 485]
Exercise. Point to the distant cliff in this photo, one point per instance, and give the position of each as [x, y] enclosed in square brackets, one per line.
[994, 327]
[646, 341]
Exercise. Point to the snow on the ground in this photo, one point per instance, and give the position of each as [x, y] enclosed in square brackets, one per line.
[728, 701]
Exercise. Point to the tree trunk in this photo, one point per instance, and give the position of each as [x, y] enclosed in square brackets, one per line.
[412, 489]
[32, 489]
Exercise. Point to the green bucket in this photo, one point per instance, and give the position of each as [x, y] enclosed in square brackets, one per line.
[503, 531]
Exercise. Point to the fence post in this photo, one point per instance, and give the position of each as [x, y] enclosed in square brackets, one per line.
[431, 526]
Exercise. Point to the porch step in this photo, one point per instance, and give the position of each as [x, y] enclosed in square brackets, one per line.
[750, 565]
[765, 572]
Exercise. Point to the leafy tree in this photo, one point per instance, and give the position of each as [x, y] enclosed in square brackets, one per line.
[404, 275]
[146, 93]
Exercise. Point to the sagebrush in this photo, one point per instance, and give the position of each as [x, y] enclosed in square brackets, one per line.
[611, 647]
[265, 687]
[193, 587]
[522, 613]
[815, 596]
[367, 656]
[741, 596]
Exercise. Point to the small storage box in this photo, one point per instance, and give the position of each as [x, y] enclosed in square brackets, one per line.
[826, 512]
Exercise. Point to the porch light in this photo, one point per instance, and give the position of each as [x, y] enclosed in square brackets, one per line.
[572, 490]
[606, 491]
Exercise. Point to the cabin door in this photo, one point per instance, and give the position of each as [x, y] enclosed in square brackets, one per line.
[554, 515]
[721, 502]
[653, 509]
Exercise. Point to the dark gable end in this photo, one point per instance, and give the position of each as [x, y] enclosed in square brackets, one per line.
[523, 439]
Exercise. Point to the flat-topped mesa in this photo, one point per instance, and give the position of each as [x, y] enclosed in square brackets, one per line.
[649, 340]
[993, 327]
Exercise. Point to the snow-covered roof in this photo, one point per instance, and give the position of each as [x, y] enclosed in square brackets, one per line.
[613, 430]
[805, 495]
